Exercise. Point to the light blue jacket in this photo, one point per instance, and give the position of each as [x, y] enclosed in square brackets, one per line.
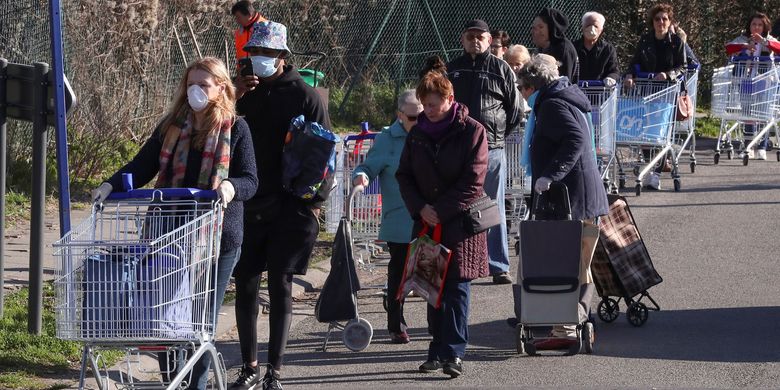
[382, 161]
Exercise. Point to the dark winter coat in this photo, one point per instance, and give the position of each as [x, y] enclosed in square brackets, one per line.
[560, 47]
[449, 175]
[599, 62]
[486, 84]
[268, 109]
[242, 174]
[671, 58]
[562, 147]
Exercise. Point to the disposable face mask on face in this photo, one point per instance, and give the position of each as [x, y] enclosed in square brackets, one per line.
[591, 32]
[264, 66]
[197, 99]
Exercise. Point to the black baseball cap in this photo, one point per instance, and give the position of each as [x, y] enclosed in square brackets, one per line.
[477, 24]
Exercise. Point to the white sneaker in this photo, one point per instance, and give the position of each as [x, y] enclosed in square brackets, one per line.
[761, 154]
[653, 181]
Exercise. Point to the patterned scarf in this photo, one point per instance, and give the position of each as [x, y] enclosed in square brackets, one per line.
[215, 162]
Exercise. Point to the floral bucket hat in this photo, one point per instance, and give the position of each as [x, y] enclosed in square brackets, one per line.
[269, 35]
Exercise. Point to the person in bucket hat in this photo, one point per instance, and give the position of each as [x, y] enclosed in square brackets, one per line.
[280, 229]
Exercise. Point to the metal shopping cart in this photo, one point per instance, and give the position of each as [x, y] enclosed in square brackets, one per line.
[518, 186]
[138, 275]
[603, 100]
[644, 124]
[744, 93]
[684, 137]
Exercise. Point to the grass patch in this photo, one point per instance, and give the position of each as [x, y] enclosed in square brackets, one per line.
[17, 208]
[707, 127]
[25, 359]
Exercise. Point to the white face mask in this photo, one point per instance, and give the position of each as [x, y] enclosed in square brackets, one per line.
[197, 99]
[591, 32]
[263, 66]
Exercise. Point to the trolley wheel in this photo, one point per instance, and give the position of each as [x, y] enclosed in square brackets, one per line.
[638, 189]
[637, 314]
[520, 339]
[587, 338]
[530, 348]
[357, 334]
[636, 170]
[729, 155]
[517, 248]
[745, 159]
[677, 185]
[621, 183]
[385, 301]
[778, 155]
[608, 310]
[716, 158]
[576, 347]
[693, 167]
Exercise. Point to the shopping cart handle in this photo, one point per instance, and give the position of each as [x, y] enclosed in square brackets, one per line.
[590, 83]
[164, 193]
[743, 57]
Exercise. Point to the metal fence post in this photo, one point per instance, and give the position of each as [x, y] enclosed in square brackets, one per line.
[38, 206]
[3, 157]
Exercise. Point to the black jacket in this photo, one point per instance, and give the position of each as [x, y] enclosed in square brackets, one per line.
[597, 63]
[268, 109]
[486, 85]
[560, 47]
[242, 174]
[671, 60]
[562, 147]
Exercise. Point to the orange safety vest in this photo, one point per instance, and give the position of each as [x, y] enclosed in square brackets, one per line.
[243, 34]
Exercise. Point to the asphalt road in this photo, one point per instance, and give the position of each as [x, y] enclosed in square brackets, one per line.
[713, 243]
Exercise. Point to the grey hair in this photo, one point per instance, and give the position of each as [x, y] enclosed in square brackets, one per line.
[519, 50]
[406, 97]
[540, 71]
[594, 15]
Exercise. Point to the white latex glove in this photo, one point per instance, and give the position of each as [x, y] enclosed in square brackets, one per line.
[542, 184]
[609, 82]
[226, 192]
[101, 193]
[360, 180]
[628, 82]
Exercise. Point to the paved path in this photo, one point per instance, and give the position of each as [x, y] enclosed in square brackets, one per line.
[714, 244]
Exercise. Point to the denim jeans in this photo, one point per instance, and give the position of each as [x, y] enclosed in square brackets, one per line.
[227, 260]
[495, 186]
[449, 324]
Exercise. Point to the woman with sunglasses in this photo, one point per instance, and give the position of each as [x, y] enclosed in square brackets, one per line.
[660, 51]
[396, 228]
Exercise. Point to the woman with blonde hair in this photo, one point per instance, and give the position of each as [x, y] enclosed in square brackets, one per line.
[200, 143]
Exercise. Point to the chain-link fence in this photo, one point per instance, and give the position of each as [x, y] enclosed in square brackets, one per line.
[124, 57]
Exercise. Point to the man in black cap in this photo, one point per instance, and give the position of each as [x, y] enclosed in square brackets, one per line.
[486, 85]
[548, 32]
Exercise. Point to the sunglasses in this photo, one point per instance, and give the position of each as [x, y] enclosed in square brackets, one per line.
[660, 18]
[411, 118]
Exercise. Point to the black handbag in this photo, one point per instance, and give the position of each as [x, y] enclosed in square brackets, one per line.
[482, 215]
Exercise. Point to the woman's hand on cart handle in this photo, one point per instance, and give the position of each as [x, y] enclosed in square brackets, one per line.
[542, 184]
[628, 82]
[101, 193]
[226, 192]
[661, 76]
[360, 180]
[428, 214]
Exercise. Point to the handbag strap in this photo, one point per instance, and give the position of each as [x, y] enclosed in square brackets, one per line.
[436, 232]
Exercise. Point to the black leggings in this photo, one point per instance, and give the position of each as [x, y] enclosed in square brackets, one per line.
[247, 309]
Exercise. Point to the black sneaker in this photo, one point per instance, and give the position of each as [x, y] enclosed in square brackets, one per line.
[430, 366]
[271, 379]
[453, 367]
[247, 378]
[502, 278]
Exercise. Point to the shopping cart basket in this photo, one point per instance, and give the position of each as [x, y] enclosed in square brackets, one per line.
[745, 92]
[644, 123]
[518, 185]
[603, 100]
[138, 275]
[684, 137]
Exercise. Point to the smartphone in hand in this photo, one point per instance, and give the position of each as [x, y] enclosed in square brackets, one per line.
[245, 64]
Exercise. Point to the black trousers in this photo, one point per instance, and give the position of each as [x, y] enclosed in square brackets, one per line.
[395, 270]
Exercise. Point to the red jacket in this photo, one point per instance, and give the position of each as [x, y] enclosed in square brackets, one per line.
[243, 33]
[738, 44]
[448, 174]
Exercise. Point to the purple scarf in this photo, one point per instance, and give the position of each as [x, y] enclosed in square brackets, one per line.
[436, 130]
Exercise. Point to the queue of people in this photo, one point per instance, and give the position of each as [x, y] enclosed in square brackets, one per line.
[444, 151]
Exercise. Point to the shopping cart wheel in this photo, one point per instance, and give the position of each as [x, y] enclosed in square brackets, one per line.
[638, 189]
[587, 338]
[729, 155]
[778, 155]
[677, 185]
[520, 339]
[693, 167]
[716, 158]
[636, 170]
[745, 159]
[384, 300]
[637, 314]
[621, 183]
[530, 348]
[357, 334]
[608, 309]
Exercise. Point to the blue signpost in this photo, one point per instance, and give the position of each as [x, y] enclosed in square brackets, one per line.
[58, 59]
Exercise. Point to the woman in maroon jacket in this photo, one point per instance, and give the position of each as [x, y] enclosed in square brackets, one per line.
[441, 172]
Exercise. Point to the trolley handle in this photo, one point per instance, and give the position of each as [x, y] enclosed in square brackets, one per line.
[590, 83]
[743, 57]
[351, 199]
[553, 201]
[164, 193]
[650, 76]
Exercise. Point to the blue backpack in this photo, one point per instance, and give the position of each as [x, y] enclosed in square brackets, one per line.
[308, 160]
